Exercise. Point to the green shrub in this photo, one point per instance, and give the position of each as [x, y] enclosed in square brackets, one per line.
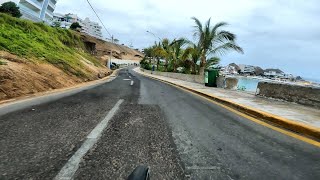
[10, 8]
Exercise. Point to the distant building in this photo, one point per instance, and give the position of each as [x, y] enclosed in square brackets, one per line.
[63, 20]
[274, 73]
[88, 27]
[246, 69]
[91, 28]
[66, 20]
[35, 10]
[230, 69]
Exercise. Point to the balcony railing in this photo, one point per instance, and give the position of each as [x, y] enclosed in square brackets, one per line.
[26, 10]
[35, 3]
[49, 13]
[52, 4]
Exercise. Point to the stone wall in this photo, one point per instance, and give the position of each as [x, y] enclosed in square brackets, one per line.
[184, 77]
[227, 82]
[231, 83]
[300, 94]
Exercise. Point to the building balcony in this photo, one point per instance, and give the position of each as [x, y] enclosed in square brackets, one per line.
[29, 14]
[52, 4]
[26, 10]
[32, 3]
[49, 13]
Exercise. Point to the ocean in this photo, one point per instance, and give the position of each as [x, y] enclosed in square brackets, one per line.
[251, 84]
[316, 79]
[248, 84]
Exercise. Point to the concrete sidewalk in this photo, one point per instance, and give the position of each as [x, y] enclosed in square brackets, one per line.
[287, 111]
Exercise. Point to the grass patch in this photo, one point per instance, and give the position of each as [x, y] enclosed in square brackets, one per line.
[56, 46]
[2, 63]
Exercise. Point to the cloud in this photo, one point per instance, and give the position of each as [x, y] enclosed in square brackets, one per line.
[274, 33]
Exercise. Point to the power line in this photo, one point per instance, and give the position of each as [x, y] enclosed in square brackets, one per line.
[111, 36]
[99, 19]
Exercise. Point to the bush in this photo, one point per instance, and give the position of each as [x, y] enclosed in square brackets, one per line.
[75, 25]
[145, 64]
[10, 8]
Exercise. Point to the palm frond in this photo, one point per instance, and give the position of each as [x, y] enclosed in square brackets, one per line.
[198, 26]
[222, 49]
[223, 36]
[218, 25]
[212, 61]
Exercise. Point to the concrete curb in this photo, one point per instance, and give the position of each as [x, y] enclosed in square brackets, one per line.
[297, 127]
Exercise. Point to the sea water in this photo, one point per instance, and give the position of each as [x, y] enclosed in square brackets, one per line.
[247, 84]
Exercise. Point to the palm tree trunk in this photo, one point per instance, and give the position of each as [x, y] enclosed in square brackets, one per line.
[202, 64]
[194, 67]
[166, 66]
[158, 62]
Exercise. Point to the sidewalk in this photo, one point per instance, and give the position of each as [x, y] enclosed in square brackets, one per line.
[285, 111]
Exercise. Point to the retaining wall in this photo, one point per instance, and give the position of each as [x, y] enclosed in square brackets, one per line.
[227, 82]
[300, 94]
[184, 77]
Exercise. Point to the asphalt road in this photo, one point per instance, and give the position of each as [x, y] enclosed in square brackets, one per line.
[178, 134]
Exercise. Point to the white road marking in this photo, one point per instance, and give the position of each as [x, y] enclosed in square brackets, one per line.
[132, 83]
[127, 79]
[203, 168]
[70, 168]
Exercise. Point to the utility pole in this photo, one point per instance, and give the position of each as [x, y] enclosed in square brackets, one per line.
[110, 55]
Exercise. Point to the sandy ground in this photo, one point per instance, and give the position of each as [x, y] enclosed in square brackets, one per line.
[20, 77]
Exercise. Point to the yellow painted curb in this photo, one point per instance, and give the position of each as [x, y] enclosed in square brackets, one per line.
[297, 127]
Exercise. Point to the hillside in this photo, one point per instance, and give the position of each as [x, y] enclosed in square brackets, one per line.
[103, 49]
[35, 58]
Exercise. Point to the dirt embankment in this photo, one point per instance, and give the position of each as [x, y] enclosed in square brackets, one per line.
[21, 77]
[35, 57]
[103, 49]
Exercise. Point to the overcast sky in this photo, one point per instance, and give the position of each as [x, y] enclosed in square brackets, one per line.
[281, 34]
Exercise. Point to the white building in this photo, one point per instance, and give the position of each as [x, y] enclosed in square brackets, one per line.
[67, 19]
[91, 28]
[88, 27]
[228, 70]
[246, 69]
[35, 10]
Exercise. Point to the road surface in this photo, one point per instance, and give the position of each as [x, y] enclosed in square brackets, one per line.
[178, 134]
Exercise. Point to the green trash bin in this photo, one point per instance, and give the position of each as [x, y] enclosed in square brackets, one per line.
[210, 77]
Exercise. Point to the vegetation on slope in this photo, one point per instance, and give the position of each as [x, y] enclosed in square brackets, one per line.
[38, 42]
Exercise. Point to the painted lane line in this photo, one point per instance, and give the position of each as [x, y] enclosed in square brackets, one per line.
[132, 83]
[70, 168]
[203, 168]
[127, 79]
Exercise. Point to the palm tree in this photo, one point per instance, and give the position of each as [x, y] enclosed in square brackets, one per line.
[192, 54]
[177, 52]
[213, 41]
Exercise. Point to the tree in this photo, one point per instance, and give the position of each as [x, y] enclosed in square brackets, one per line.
[75, 26]
[116, 41]
[10, 8]
[56, 24]
[177, 52]
[192, 54]
[213, 41]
